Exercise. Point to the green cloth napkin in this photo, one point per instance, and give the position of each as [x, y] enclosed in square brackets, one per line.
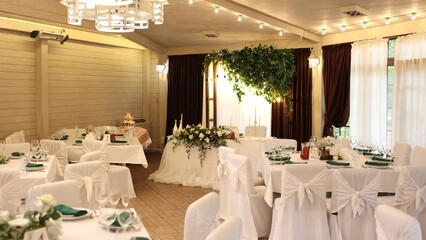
[291, 162]
[362, 150]
[279, 158]
[16, 154]
[383, 159]
[118, 141]
[31, 165]
[371, 154]
[83, 134]
[65, 210]
[119, 135]
[123, 216]
[268, 152]
[139, 238]
[78, 141]
[332, 162]
[376, 163]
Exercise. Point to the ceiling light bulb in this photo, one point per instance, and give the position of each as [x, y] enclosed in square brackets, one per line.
[216, 10]
[240, 18]
[261, 26]
[343, 28]
[413, 16]
[364, 24]
[191, 2]
[280, 33]
[323, 31]
[387, 20]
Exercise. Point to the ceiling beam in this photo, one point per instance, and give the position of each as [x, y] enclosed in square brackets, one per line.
[262, 17]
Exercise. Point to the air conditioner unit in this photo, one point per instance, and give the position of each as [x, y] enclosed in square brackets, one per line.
[60, 37]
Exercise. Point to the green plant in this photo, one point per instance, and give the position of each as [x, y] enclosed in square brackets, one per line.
[269, 71]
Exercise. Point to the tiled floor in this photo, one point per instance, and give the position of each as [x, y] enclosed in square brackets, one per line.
[162, 206]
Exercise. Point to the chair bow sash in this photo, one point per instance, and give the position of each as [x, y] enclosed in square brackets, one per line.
[221, 170]
[235, 179]
[88, 184]
[420, 197]
[408, 193]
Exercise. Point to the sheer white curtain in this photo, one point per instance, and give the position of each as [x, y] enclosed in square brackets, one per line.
[230, 112]
[368, 91]
[409, 114]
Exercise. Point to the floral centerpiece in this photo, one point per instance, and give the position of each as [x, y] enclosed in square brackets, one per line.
[324, 144]
[128, 121]
[47, 217]
[202, 138]
[3, 159]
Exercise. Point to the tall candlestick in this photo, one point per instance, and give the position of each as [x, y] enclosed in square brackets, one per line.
[255, 117]
[259, 120]
[249, 120]
[230, 118]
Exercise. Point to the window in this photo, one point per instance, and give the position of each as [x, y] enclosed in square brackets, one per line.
[390, 89]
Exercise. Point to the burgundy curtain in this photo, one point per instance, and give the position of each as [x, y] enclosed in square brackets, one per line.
[185, 90]
[336, 75]
[297, 125]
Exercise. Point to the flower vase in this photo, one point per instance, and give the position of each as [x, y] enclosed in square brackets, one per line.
[175, 129]
[180, 126]
[54, 228]
[325, 154]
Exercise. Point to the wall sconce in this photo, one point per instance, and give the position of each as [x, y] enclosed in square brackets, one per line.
[160, 67]
[313, 59]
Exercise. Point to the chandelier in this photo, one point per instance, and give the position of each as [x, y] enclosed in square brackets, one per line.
[116, 16]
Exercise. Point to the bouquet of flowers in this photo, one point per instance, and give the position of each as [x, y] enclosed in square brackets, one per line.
[202, 138]
[128, 121]
[325, 142]
[47, 217]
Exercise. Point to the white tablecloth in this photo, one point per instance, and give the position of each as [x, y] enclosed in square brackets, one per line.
[132, 153]
[272, 176]
[89, 228]
[52, 172]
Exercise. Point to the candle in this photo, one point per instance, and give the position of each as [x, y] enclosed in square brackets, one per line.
[255, 117]
[249, 120]
[259, 120]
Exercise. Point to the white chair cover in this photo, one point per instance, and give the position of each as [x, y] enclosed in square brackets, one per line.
[410, 196]
[19, 136]
[235, 129]
[9, 148]
[91, 156]
[224, 188]
[73, 133]
[201, 217]
[286, 142]
[354, 198]
[65, 192]
[393, 224]
[95, 145]
[419, 155]
[57, 148]
[247, 201]
[228, 230]
[402, 153]
[301, 211]
[10, 139]
[10, 190]
[86, 174]
[258, 131]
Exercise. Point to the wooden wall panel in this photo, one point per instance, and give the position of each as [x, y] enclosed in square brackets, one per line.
[17, 84]
[93, 84]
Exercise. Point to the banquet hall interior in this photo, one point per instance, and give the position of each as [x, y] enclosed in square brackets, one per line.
[212, 119]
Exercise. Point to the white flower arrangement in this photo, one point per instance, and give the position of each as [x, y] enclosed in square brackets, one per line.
[128, 120]
[325, 142]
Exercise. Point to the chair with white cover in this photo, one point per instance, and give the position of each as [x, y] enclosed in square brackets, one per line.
[119, 177]
[86, 174]
[10, 139]
[301, 212]
[223, 176]
[10, 190]
[201, 217]
[410, 195]
[255, 131]
[234, 129]
[247, 201]
[286, 142]
[354, 198]
[418, 156]
[64, 192]
[393, 224]
[9, 148]
[19, 136]
[402, 153]
[57, 148]
[230, 229]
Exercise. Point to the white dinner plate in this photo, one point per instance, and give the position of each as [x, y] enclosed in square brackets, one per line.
[337, 166]
[34, 168]
[71, 217]
[376, 167]
[15, 157]
[40, 159]
[119, 144]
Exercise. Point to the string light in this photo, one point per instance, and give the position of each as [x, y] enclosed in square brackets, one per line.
[387, 20]
[261, 25]
[323, 31]
[413, 16]
[364, 25]
[240, 18]
[343, 28]
[216, 10]
[191, 2]
[280, 33]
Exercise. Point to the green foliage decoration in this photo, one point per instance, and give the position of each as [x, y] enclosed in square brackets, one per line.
[266, 69]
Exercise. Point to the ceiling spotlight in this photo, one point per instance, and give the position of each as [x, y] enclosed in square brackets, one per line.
[413, 16]
[364, 24]
[323, 31]
[281, 33]
[240, 18]
[343, 28]
[216, 10]
[261, 25]
[191, 2]
[387, 20]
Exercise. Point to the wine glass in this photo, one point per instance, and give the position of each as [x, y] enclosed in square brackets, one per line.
[312, 141]
[108, 217]
[35, 144]
[125, 218]
[125, 199]
[101, 195]
[113, 199]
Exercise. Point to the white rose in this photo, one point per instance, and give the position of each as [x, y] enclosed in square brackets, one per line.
[191, 136]
[19, 222]
[207, 140]
[47, 199]
[208, 131]
[219, 133]
[201, 135]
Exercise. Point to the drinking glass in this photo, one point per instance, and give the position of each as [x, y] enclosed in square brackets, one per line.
[312, 141]
[125, 199]
[125, 218]
[35, 144]
[108, 217]
[113, 199]
[101, 195]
